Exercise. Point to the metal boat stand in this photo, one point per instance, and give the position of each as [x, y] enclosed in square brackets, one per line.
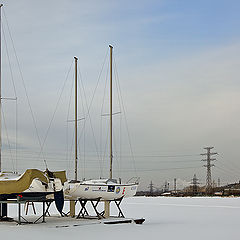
[30, 203]
[45, 211]
[3, 212]
[118, 202]
[83, 213]
[27, 204]
[48, 203]
[20, 219]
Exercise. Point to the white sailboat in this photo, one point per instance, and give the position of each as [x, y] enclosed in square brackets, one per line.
[105, 189]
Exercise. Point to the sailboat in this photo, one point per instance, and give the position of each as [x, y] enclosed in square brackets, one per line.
[105, 189]
[33, 184]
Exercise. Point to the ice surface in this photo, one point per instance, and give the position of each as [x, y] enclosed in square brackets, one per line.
[166, 218]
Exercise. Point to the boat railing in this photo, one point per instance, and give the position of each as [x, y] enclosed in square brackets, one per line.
[134, 180]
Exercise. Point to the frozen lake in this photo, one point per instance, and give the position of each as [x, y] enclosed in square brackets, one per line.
[166, 218]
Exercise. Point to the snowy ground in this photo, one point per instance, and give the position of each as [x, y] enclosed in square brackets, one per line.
[166, 218]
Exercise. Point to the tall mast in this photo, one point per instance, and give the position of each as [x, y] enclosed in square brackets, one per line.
[111, 155]
[106, 202]
[1, 87]
[76, 156]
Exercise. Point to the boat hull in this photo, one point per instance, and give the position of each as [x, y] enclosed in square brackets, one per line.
[103, 191]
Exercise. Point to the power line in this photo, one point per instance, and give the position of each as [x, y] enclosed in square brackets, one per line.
[162, 156]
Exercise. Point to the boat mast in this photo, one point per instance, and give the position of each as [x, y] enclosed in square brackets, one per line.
[111, 155]
[1, 87]
[106, 202]
[76, 156]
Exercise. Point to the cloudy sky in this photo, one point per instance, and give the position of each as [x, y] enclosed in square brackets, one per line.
[178, 66]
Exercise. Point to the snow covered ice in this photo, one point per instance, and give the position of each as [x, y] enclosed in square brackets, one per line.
[166, 218]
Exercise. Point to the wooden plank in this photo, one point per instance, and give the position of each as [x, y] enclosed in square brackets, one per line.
[139, 221]
[119, 221]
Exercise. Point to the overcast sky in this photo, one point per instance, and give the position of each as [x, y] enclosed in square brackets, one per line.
[178, 64]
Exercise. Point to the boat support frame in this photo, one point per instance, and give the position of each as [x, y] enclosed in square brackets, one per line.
[20, 219]
[83, 213]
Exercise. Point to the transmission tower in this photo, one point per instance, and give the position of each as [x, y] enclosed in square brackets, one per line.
[208, 159]
[166, 186]
[214, 185]
[195, 184]
[175, 185]
[219, 182]
[151, 188]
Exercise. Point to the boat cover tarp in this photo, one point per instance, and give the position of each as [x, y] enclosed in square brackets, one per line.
[61, 175]
[24, 181]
